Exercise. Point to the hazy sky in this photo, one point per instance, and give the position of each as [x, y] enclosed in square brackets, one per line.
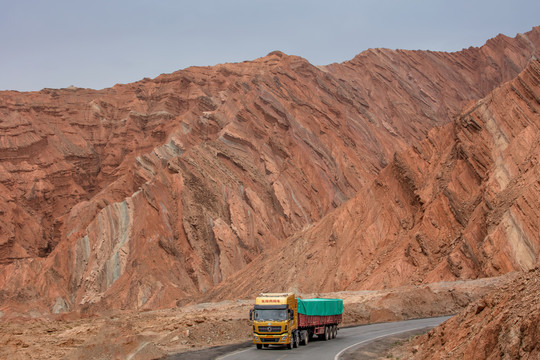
[96, 44]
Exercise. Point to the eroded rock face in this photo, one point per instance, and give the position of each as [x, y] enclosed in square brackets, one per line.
[145, 193]
[464, 203]
[502, 325]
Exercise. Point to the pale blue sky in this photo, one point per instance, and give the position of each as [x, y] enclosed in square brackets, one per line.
[96, 44]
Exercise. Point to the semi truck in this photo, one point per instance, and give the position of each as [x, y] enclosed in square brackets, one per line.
[283, 319]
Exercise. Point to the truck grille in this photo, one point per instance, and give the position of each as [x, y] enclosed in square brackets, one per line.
[268, 329]
[266, 340]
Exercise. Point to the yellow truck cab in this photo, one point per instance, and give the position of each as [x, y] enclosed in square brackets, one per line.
[274, 318]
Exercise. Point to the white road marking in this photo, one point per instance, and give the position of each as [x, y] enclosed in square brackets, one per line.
[375, 338]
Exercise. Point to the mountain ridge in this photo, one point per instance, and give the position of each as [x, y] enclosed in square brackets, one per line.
[459, 205]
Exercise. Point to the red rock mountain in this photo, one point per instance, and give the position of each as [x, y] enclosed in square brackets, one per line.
[461, 204]
[142, 194]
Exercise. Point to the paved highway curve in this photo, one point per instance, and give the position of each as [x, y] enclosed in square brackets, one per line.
[332, 349]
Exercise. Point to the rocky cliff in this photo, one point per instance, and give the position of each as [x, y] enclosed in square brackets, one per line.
[145, 193]
[502, 325]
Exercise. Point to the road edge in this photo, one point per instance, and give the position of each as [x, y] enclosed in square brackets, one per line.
[353, 349]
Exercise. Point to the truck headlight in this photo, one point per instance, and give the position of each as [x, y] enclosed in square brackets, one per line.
[284, 337]
[255, 337]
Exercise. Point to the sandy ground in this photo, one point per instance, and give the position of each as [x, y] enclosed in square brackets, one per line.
[156, 334]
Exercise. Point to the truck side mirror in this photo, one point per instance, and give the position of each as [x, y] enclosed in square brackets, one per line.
[250, 314]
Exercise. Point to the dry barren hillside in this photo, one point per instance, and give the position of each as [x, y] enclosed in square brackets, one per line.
[146, 193]
[463, 203]
[503, 325]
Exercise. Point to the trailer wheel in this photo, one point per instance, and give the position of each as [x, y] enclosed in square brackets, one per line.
[304, 338]
[335, 331]
[326, 333]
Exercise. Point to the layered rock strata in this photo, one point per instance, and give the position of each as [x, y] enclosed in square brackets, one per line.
[464, 203]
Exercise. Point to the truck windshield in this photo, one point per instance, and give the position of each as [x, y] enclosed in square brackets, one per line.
[268, 315]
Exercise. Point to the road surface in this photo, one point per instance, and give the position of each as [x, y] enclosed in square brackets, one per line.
[347, 338]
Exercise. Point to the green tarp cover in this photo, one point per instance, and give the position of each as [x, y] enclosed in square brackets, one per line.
[320, 307]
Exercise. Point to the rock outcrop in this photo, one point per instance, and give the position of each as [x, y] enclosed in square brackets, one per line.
[142, 194]
[503, 325]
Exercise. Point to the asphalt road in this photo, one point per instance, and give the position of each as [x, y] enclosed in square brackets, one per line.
[347, 338]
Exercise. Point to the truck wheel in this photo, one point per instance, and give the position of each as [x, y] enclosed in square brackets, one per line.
[259, 346]
[289, 345]
[326, 333]
[305, 338]
[335, 331]
[296, 340]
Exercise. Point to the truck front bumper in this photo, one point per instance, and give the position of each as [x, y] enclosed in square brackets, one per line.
[271, 339]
